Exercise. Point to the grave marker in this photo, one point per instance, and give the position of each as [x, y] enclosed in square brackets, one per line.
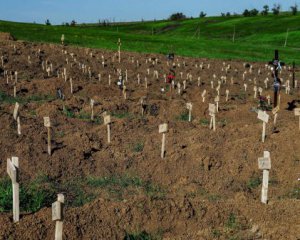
[189, 106]
[92, 107]
[58, 216]
[13, 172]
[264, 164]
[212, 114]
[297, 113]
[107, 122]
[16, 110]
[264, 117]
[47, 124]
[163, 128]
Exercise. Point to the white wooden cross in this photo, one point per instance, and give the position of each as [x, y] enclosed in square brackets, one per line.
[58, 216]
[163, 128]
[297, 113]
[217, 99]
[203, 95]
[92, 107]
[227, 94]
[212, 114]
[189, 106]
[264, 163]
[107, 121]
[13, 172]
[263, 116]
[47, 124]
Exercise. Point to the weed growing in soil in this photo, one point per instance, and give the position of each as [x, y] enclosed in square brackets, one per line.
[4, 98]
[204, 122]
[119, 184]
[141, 236]
[121, 115]
[138, 147]
[253, 182]
[82, 116]
[216, 233]
[33, 196]
[184, 116]
[232, 222]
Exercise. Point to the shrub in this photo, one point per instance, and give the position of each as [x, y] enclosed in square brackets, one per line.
[202, 14]
[177, 16]
[265, 12]
[294, 9]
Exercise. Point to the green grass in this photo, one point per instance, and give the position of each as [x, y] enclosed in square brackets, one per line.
[138, 147]
[121, 114]
[117, 185]
[256, 37]
[33, 195]
[184, 116]
[5, 98]
[82, 115]
[253, 182]
[141, 236]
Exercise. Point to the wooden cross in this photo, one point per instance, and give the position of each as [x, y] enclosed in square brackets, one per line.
[189, 106]
[92, 107]
[58, 216]
[263, 116]
[212, 114]
[13, 172]
[294, 70]
[297, 113]
[107, 122]
[264, 163]
[163, 128]
[47, 124]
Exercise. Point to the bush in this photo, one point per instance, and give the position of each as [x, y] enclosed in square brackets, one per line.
[246, 13]
[177, 16]
[202, 14]
[254, 12]
[47, 22]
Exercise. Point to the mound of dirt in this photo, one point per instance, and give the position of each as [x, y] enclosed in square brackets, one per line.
[6, 37]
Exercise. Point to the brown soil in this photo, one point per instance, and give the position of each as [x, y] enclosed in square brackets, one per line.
[204, 177]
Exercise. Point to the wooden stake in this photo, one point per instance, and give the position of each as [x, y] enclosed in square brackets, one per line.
[163, 128]
[47, 124]
[92, 107]
[189, 106]
[107, 121]
[58, 216]
[263, 116]
[297, 113]
[264, 164]
[13, 172]
[19, 125]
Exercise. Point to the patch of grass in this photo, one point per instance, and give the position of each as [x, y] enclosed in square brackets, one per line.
[68, 113]
[184, 116]
[121, 115]
[204, 122]
[4, 98]
[214, 197]
[253, 182]
[216, 233]
[119, 184]
[33, 195]
[232, 222]
[138, 147]
[294, 193]
[141, 236]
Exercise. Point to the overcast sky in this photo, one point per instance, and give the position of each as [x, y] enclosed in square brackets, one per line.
[58, 11]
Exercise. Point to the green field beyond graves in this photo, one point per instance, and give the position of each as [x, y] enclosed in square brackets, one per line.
[209, 37]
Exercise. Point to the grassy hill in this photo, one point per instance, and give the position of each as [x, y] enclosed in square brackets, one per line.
[255, 38]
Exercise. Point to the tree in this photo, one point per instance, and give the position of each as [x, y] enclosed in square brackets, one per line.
[223, 14]
[265, 12]
[246, 13]
[276, 9]
[294, 9]
[177, 16]
[73, 23]
[48, 22]
[202, 14]
[228, 14]
[254, 12]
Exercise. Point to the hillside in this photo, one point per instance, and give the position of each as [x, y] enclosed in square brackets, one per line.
[255, 39]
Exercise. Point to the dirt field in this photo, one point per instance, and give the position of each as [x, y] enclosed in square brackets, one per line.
[208, 186]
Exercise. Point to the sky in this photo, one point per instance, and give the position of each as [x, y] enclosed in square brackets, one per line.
[88, 11]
